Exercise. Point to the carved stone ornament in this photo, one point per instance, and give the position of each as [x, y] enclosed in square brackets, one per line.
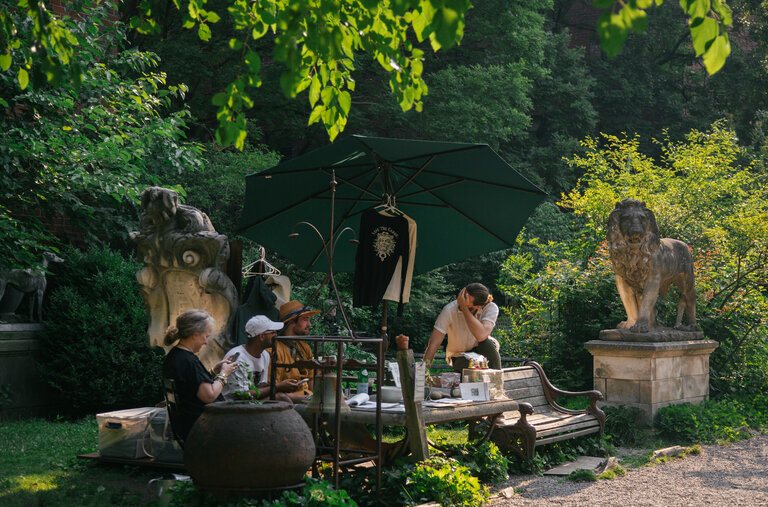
[184, 260]
[645, 266]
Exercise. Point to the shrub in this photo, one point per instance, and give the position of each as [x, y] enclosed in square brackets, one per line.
[621, 424]
[95, 352]
[727, 419]
[445, 481]
[485, 462]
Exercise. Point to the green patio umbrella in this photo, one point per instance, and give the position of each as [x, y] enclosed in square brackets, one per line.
[464, 198]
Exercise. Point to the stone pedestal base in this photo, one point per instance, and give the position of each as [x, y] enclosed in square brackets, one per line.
[651, 375]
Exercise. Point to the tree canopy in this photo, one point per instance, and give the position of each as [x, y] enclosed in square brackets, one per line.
[319, 41]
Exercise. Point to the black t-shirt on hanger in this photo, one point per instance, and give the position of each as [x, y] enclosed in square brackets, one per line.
[383, 240]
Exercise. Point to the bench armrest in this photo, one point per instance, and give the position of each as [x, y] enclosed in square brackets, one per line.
[551, 392]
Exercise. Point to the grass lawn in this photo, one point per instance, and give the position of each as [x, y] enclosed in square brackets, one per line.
[39, 466]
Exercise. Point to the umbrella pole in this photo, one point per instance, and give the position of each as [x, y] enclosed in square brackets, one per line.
[384, 308]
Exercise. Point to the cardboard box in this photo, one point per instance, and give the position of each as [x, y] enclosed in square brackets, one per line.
[125, 433]
[494, 379]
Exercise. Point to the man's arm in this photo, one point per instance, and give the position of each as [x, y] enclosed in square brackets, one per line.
[480, 330]
[435, 339]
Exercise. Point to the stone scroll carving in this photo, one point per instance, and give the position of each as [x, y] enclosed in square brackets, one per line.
[184, 259]
[645, 266]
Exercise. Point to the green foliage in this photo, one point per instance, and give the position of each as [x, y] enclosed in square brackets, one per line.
[621, 425]
[706, 191]
[445, 481]
[95, 352]
[726, 420]
[708, 22]
[317, 493]
[485, 462]
[438, 479]
[318, 43]
[556, 302]
[581, 476]
[218, 185]
[618, 470]
[83, 154]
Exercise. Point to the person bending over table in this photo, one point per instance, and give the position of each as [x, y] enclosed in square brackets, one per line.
[468, 322]
[251, 374]
[295, 316]
[194, 385]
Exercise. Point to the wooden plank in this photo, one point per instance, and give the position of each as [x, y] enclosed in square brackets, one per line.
[519, 373]
[568, 428]
[566, 436]
[538, 403]
[524, 392]
[414, 417]
[522, 382]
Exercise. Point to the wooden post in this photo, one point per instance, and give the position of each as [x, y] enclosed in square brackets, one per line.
[414, 416]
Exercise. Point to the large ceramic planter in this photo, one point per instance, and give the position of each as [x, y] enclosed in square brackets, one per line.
[247, 447]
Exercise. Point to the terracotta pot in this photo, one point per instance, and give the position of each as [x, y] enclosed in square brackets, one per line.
[246, 447]
[402, 341]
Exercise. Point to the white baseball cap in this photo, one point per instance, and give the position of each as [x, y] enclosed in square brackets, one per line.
[261, 324]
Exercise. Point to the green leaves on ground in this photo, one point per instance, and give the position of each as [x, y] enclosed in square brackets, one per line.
[708, 21]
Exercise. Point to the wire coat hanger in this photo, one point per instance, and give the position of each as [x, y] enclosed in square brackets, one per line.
[260, 267]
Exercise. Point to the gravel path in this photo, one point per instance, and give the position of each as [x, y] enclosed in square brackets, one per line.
[730, 475]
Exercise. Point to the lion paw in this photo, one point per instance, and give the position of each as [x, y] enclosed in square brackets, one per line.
[623, 325]
[640, 327]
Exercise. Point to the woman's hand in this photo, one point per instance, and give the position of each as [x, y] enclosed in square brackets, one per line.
[226, 368]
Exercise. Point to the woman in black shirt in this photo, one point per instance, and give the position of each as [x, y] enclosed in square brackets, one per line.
[194, 385]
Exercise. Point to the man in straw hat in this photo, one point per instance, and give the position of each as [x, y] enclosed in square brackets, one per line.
[295, 317]
[251, 376]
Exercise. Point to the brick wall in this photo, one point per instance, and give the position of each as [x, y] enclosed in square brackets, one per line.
[61, 7]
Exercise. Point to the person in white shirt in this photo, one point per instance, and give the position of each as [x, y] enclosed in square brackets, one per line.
[251, 375]
[468, 322]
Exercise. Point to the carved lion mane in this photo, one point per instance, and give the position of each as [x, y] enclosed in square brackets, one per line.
[646, 265]
[631, 257]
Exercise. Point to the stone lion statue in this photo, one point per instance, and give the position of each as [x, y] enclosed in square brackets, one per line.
[645, 266]
[162, 213]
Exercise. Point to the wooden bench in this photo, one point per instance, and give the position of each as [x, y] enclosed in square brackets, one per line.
[539, 419]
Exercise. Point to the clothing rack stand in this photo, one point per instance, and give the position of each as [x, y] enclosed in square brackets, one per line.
[340, 364]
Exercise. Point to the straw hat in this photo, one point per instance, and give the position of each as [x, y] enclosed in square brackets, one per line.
[293, 309]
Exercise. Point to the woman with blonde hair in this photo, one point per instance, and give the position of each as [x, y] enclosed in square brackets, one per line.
[468, 322]
[194, 385]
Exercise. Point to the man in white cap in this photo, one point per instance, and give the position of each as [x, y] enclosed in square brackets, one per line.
[252, 373]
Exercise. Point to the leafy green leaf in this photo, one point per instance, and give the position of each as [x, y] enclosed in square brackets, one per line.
[715, 56]
[5, 61]
[703, 34]
[612, 33]
[204, 32]
[695, 8]
[23, 78]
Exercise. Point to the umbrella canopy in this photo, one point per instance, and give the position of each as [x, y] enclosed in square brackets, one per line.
[463, 197]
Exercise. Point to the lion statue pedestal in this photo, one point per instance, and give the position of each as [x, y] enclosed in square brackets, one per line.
[184, 260]
[641, 363]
